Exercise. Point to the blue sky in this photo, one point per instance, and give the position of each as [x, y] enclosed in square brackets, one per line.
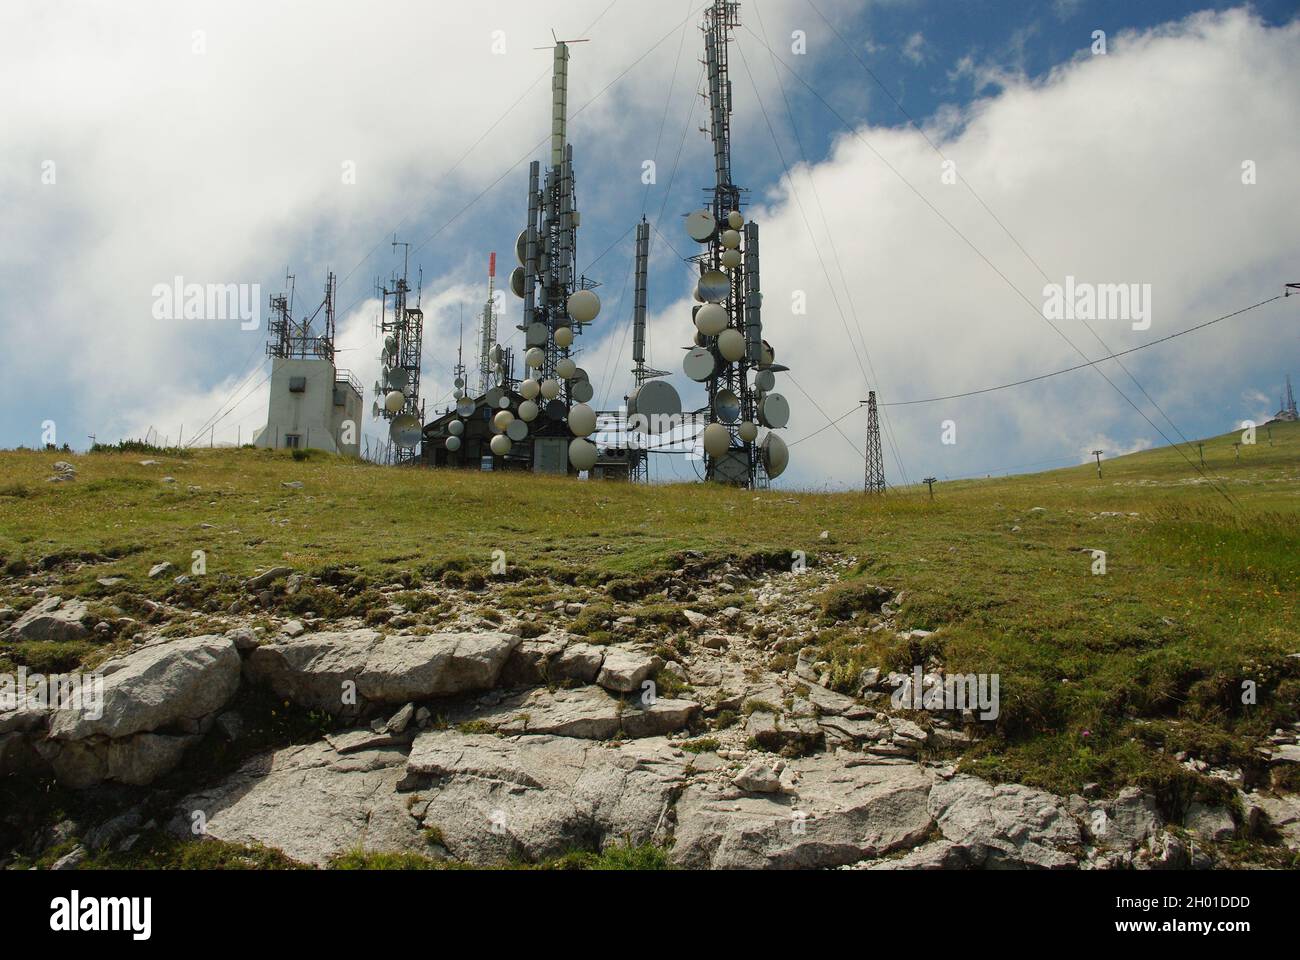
[223, 166]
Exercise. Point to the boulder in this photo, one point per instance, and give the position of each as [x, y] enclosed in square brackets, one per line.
[529, 663]
[624, 670]
[1008, 825]
[760, 777]
[53, 619]
[578, 661]
[1210, 822]
[838, 815]
[156, 687]
[318, 669]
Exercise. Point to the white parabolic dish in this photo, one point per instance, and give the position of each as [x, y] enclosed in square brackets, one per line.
[699, 364]
[700, 226]
[773, 411]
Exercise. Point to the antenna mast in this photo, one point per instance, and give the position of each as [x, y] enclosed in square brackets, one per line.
[487, 336]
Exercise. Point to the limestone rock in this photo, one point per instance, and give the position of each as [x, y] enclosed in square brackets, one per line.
[624, 670]
[311, 803]
[840, 815]
[53, 619]
[588, 713]
[314, 670]
[1210, 822]
[534, 797]
[156, 687]
[1005, 825]
[579, 661]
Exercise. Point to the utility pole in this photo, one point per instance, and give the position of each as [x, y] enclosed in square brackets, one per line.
[1201, 448]
[929, 482]
[1236, 448]
[1097, 454]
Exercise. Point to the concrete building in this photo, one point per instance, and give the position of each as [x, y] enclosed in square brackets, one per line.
[313, 404]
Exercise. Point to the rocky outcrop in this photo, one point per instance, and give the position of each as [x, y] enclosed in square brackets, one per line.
[310, 802]
[154, 704]
[344, 672]
[492, 799]
[1007, 825]
[588, 713]
[837, 814]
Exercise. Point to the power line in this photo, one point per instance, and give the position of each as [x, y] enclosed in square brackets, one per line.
[1014, 289]
[1046, 376]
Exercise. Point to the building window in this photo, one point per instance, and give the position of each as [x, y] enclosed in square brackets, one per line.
[297, 384]
[292, 440]
[339, 398]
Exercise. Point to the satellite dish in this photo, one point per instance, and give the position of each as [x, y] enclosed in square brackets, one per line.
[717, 441]
[711, 319]
[731, 239]
[405, 430]
[699, 364]
[465, 407]
[535, 335]
[731, 258]
[529, 389]
[453, 444]
[727, 406]
[714, 287]
[535, 357]
[555, 410]
[550, 388]
[748, 431]
[398, 378]
[582, 454]
[583, 305]
[700, 225]
[528, 411]
[768, 355]
[773, 411]
[504, 402]
[374, 409]
[582, 420]
[393, 401]
[731, 344]
[735, 220]
[581, 390]
[563, 336]
[764, 381]
[774, 454]
[456, 428]
[521, 247]
[493, 397]
[460, 383]
[565, 368]
[657, 402]
[502, 420]
[580, 374]
[517, 431]
[500, 444]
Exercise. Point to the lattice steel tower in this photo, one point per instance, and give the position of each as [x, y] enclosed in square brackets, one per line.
[875, 478]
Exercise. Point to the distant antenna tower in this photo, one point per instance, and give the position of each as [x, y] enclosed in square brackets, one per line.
[487, 334]
[1289, 405]
[399, 388]
[875, 478]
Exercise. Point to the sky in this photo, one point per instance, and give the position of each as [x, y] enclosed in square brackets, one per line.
[921, 171]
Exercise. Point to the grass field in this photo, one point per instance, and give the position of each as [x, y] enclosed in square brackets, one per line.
[1103, 677]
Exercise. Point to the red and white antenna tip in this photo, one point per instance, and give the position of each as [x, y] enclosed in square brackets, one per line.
[492, 265]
